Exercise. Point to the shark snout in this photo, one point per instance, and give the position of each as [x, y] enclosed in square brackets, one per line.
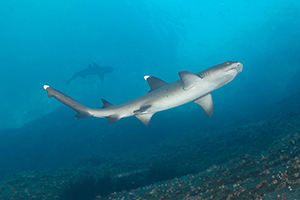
[239, 67]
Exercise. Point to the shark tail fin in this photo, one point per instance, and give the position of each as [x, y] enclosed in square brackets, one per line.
[67, 82]
[83, 112]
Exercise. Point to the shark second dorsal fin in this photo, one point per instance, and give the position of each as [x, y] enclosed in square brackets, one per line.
[189, 79]
[144, 118]
[154, 82]
[206, 103]
[106, 104]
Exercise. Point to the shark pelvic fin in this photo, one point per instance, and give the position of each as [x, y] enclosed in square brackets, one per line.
[144, 118]
[206, 103]
[189, 79]
[142, 110]
[106, 104]
[154, 82]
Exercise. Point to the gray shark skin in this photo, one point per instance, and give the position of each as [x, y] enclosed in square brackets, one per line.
[92, 70]
[162, 96]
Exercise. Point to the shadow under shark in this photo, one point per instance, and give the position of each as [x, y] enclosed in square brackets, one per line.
[162, 96]
[92, 70]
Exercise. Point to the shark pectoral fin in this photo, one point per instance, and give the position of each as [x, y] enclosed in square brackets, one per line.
[113, 119]
[106, 104]
[144, 118]
[206, 103]
[101, 76]
[189, 79]
[154, 82]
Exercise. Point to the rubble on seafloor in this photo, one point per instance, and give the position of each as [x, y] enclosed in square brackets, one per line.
[275, 174]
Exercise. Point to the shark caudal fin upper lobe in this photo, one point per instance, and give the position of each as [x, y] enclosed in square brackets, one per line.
[83, 112]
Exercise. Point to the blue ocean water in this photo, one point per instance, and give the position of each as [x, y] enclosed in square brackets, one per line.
[46, 42]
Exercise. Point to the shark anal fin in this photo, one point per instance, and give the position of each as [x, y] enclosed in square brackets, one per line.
[113, 119]
[142, 110]
[154, 82]
[206, 103]
[189, 79]
[106, 104]
[144, 118]
[81, 115]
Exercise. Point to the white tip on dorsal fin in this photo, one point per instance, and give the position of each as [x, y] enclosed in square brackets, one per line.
[189, 79]
[154, 82]
[206, 103]
[46, 87]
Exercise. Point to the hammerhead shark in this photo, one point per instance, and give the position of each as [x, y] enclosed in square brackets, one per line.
[162, 96]
[91, 70]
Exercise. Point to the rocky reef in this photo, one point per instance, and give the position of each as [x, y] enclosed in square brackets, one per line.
[258, 161]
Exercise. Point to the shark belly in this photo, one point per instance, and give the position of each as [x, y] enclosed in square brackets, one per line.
[168, 97]
[173, 95]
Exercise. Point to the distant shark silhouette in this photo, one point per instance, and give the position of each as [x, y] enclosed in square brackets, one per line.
[92, 70]
[162, 96]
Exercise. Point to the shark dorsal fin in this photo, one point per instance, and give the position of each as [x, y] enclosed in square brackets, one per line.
[106, 104]
[206, 103]
[144, 118]
[189, 79]
[154, 82]
[95, 65]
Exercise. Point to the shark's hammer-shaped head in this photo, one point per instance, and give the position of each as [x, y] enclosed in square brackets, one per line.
[225, 72]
